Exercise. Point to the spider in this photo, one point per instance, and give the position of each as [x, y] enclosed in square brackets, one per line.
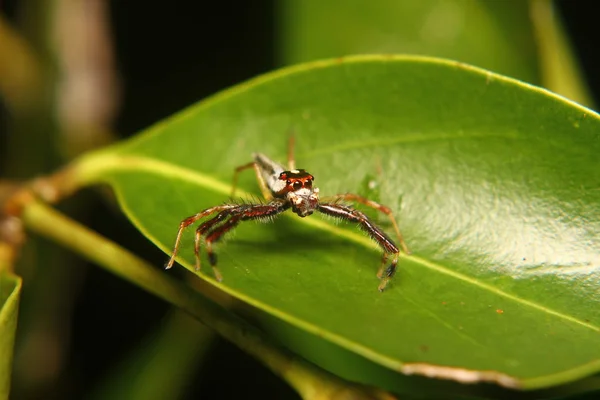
[284, 189]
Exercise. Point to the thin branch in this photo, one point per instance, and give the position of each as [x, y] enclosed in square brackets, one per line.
[12, 235]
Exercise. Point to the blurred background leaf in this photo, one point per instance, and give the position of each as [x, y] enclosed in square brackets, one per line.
[495, 35]
[163, 365]
[521, 39]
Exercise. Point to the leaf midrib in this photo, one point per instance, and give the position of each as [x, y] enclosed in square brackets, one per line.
[92, 169]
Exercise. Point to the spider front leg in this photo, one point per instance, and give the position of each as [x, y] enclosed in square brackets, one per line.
[386, 274]
[187, 222]
[379, 207]
[214, 236]
[202, 229]
[213, 231]
[388, 246]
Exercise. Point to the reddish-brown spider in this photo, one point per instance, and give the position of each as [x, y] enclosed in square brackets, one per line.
[284, 189]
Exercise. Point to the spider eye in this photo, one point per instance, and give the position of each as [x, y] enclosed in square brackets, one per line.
[288, 182]
[297, 185]
[308, 183]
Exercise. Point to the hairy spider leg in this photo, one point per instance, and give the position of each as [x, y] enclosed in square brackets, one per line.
[261, 181]
[201, 230]
[385, 274]
[383, 264]
[242, 212]
[389, 248]
[376, 206]
[189, 221]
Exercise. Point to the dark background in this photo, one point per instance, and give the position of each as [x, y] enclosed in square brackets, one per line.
[199, 48]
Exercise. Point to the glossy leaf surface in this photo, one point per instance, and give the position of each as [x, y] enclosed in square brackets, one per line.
[495, 184]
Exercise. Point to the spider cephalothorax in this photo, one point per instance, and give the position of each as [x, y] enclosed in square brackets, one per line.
[299, 191]
[284, 189]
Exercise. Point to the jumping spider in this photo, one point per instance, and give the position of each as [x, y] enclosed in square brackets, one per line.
[284, 189]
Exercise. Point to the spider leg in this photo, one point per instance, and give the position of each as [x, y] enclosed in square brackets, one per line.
[388, 273]
[243, 212]
[389, 248]
[206, 226]
[197, 239]
[187, 222]
[213, 236]
[261, 181]
[291, 158]
[384, 259]
[202, 228]
[378, 207]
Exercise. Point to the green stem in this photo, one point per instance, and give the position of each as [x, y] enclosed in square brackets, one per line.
[310, 381]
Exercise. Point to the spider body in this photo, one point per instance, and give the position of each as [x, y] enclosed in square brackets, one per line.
[295, 185]
[288, 189]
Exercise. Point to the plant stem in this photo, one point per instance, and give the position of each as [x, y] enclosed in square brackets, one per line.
[310, 381]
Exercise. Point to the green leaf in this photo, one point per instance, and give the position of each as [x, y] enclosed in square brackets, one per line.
[495, 184]
[10, 290]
